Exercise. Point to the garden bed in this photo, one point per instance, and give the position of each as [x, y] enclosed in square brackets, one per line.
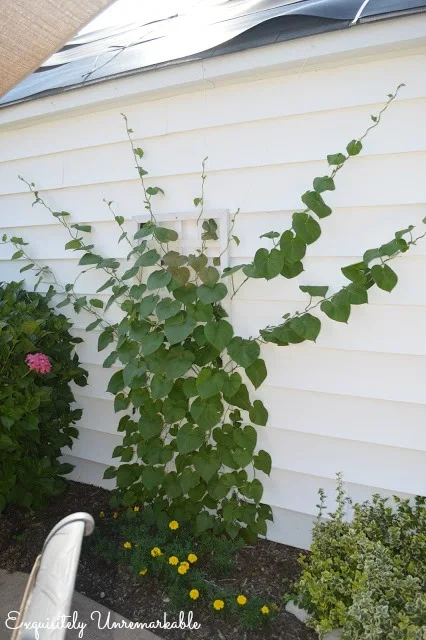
[266, 569]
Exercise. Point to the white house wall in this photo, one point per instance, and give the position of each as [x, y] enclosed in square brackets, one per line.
[355, 401]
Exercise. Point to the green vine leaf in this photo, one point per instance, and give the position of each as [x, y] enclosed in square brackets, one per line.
[209, 382]
[319, 291]
[266, 264]
[293, 248]
[292, 270]
[219, 333]
[210, 295]
[167, 308]
[306, 227]
[336, 158]
[324, 183]
[207, 411]
[357, 293]
[384, 277]
[148, 259]
[208, 275]
[258, 413]
[148, 305]
[165, 235]
[338, 308]
[263, 462]
[151, 342]
[188, 439]
[116, 382]
[306, 326]
[315, 203]
[207, 464]
[158, 279]
[354, 147]
[243, 352]
[179, 327]
[257, 372]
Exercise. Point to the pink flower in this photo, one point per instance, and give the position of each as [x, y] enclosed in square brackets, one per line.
[38, 362]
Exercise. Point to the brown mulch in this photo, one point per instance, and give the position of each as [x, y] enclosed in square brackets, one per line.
[269, 565]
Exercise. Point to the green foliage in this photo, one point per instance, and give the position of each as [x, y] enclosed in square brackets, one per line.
[36, 415]
[367, 576]
[144, 543]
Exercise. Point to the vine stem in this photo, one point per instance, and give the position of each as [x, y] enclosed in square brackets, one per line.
[312, 306]
[141, 170]
[376, 122]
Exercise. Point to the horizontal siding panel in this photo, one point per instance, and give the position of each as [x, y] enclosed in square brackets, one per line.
[396, 424]
[299, 491]
[371, 375]
[395, 469]
[372, 465]
[304, 138]
[347, 87]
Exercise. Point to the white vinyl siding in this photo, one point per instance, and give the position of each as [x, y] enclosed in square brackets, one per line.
[353, 402]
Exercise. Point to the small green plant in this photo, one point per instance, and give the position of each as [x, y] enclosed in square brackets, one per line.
[367, 576]
[37, 364]
[192, 569]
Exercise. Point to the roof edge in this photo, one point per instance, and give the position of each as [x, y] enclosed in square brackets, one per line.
[391, 36]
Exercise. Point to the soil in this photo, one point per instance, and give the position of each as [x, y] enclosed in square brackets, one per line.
[268, 566]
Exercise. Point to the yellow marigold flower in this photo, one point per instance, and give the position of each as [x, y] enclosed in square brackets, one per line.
[127, 545]
[136, 509]
[173, 525]
[102, 514]
[265, 609]
[142, 572]
[194, 594]
[115, 515]
[218, 605]
[156, 551]
[182, 569]
[173, 560]
[192, 558]
[185, 564]
[241, 600]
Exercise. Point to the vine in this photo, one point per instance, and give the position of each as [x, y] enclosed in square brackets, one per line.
[189, 445]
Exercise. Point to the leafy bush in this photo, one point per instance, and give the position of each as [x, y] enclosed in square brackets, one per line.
[191, 568]
[37, 364]
[368, 576]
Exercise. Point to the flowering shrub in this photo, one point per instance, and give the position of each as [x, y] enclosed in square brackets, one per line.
[368, 576]
[37, 364]
[192, 569]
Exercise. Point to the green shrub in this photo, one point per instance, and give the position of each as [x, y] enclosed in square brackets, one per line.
[36, 416]
[367, 576]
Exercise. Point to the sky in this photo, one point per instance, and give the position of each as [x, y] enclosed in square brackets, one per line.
[127, 11]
